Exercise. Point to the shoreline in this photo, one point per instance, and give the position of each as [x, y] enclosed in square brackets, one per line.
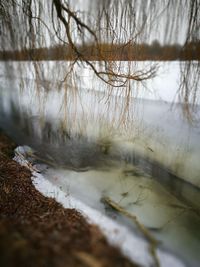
[38, 231]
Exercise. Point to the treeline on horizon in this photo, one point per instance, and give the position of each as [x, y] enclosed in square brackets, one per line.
[109, 52]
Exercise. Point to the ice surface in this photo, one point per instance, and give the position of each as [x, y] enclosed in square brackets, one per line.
[154, 128]
[131, 245]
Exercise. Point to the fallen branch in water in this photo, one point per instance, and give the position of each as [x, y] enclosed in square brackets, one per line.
[87, 259]
[153, 243]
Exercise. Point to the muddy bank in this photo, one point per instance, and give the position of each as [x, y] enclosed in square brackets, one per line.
[38, 231]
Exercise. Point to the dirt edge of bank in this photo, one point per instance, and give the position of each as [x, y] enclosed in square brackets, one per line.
[37, 231]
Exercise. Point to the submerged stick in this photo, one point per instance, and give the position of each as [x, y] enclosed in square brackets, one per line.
[153, 243]
[87, 259]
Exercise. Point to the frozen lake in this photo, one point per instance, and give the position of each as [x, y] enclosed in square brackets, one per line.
[145, 157]
[150, 125]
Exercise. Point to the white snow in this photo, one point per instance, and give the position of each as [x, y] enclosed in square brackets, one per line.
[131, 245]
[155, 130]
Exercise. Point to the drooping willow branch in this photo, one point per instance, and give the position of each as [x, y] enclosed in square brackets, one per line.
[109, 76]
[34, 24]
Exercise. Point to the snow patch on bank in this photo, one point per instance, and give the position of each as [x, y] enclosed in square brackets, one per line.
[131, 245]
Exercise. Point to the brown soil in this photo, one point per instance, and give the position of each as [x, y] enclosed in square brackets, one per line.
[38, 231]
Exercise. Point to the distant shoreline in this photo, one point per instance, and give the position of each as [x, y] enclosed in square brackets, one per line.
[107, 52]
